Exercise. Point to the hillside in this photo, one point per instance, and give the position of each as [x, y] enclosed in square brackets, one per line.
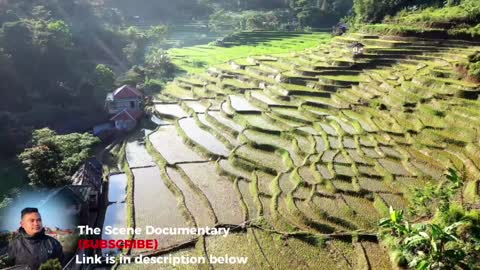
[303, 153]
[427, 19]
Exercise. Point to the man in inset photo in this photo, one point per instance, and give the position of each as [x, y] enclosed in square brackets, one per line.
[32, 246]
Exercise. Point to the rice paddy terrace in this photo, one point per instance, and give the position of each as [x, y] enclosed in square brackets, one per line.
[197, 59]
[301, 154]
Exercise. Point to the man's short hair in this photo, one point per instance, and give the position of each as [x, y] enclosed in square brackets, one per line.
[29, 210]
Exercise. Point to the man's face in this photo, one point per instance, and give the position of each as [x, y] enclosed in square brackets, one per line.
[31, 223]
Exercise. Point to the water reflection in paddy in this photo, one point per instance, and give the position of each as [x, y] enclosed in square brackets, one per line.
[117, 188]
[115, 216]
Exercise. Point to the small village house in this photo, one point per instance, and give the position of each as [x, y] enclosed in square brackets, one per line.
[124, 97]
[80, 200]
[126, 119]
[90, 174]
[125, 104]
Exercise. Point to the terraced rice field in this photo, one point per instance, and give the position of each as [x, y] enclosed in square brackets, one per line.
[137, 155]
[197, 59]
[305, 151]
[203, 138]
[156, 205]
[171, 147]
[219, 191]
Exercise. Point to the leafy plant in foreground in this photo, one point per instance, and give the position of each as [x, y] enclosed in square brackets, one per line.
[451, 240]
[426, 199]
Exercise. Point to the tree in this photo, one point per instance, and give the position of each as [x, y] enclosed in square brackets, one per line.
[40, 12]
[53, 158]
[159, 65]
[133, 76]
[320, 12]
[373, 11]
[48, 53]
[41, 163]
[61, 33]
[156, 33]
[140, 40]
[104, 80]
[17, 40]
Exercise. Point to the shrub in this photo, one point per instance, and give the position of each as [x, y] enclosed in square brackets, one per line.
[153, 85]
[158, 64]
[199, 63]
[474, 70]
[451, 240]
[473, 65]
[133, 76]
[51, 265]
[426, 199]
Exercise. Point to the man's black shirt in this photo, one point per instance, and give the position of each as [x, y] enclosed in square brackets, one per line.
[34, 250]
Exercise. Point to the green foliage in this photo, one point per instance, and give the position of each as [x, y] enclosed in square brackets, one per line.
[447, 245]
[474, 57]
[246, 4]
[450, 241]
[104, 78]
[60, 28]
[53, 264]
[199, 63]
[103, 81]
[153, 85]
[40, 12]
[474, 65]
[156, 33]
[53, 158]
[158, 64]
[48, 52]
[140, 40]
[133, 76]
[374, 11]
[434, 16]
[12, 176]
[41, 164]
[458, 19]
[474, 70]
[292, 15]
[242, 45]
[466, 31]
[320, 13]
[420, 31]
[248, 20]
[60, 37]
[180, 10]
[426, 13]
[427, 199]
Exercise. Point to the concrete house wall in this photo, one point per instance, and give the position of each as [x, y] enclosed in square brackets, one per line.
[120, 104]
[125, 124]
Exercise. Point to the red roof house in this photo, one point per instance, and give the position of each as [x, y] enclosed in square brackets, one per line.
[126, 119]
[124, 97]
[126, 91]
